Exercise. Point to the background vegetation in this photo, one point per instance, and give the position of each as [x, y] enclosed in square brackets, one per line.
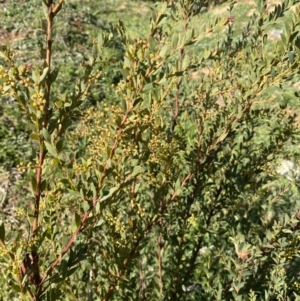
[159, 144]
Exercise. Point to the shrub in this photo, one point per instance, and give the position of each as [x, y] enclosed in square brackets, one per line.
[168, 191]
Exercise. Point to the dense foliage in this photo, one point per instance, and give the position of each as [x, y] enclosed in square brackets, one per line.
[166, 189]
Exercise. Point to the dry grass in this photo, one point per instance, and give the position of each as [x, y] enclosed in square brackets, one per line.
[8, 37]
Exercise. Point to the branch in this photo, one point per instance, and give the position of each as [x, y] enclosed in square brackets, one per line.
[58, 7]
[42, 151]
[200, 240]
[137, 244]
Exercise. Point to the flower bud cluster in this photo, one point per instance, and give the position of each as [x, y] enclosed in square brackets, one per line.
[119, 226]
[23, 168]
[38, 101]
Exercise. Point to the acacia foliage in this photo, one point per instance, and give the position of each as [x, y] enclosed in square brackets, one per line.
[172, 196]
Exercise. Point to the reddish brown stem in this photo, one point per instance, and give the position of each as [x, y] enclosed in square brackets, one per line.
[42, 152]
[159, 251]
[66, 248]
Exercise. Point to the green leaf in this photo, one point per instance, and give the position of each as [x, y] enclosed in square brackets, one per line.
[46, 135]
[148, 87]
[36, 74]
[223, 136]
[283, 39]
[124, 105]
[162, 19]
[100, 41]
[59, 145]
[6, 88]
[33, 183]
[95, 50]
[73, 226]
[100, 222]
[53, 75]
[185, 62]
[75, 193]
[163, 51]
[63, 267]
[16, 287]
[71, 271]
[291, 57]
[3, 55]
[111, 191]
[177, 185]
[127, 62]
[259, 6]
[77, 219]
[58, 104]
[93, 189]
[51, 149]
[35, 136]
[136, 170]
[152, 44]
[85, 206]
